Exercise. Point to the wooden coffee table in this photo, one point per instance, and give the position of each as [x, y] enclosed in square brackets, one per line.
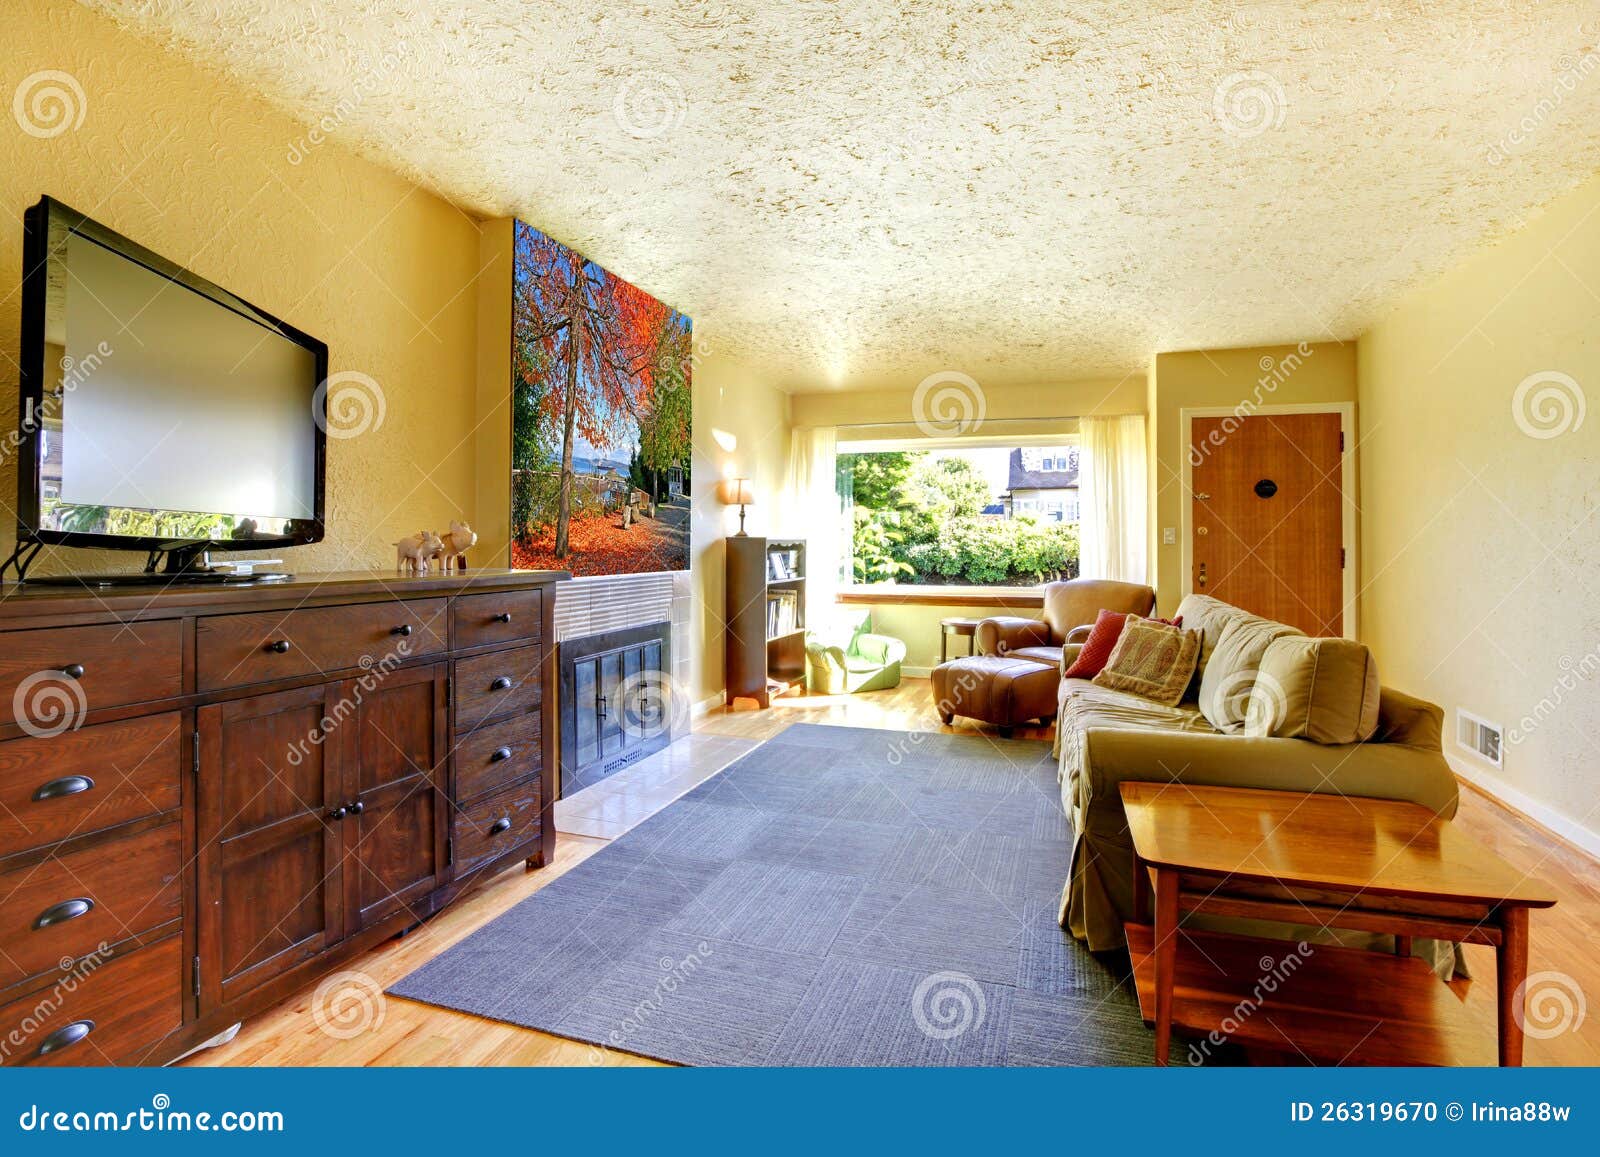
[1322, 860]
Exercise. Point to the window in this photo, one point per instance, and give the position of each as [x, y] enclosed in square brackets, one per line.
[980, 516]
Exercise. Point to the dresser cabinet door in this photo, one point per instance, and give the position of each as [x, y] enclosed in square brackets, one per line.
[397, 816]
[272, 795]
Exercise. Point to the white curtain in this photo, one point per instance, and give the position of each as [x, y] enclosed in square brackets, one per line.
[810, 510]
[1113, 487]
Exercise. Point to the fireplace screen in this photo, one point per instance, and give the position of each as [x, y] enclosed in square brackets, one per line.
[617, 703]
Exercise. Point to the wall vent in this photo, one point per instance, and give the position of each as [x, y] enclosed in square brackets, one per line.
[1480, 737]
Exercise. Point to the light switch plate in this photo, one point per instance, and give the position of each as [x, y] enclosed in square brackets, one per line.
[1169, 536]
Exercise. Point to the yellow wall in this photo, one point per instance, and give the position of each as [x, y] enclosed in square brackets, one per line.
[1481, 541]
[896, 407]
[1294, 375]
[190, 165]
[741, 429]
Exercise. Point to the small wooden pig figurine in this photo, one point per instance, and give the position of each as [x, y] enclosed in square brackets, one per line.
[412, 554]
[457, 542]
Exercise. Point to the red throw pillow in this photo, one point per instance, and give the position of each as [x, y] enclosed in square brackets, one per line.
[1102, 640]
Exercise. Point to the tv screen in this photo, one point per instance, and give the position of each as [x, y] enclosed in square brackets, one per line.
[158, 407]
[602, 377]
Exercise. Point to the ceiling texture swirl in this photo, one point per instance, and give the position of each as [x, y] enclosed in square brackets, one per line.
[855, 194]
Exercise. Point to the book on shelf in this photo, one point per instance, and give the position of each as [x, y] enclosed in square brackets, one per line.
[783, 563]
[783, 613]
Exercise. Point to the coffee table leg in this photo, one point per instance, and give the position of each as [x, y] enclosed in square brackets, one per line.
[1511, 966]
[1166, 934]
[1141, 890]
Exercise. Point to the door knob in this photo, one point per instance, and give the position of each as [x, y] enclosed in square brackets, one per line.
[1202, 496]
[1202, 579]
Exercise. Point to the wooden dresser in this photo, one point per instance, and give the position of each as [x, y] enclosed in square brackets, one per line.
[210, 795]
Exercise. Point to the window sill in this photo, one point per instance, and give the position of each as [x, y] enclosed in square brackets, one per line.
[1007, 598]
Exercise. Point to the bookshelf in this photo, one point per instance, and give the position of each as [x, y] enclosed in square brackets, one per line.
[764, 648]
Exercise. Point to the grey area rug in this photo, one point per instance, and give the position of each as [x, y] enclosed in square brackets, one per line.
[839, 896]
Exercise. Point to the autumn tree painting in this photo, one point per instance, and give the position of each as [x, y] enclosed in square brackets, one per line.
[601, 389]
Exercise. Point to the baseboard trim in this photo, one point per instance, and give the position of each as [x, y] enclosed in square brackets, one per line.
[1540, 815]
[707, 705]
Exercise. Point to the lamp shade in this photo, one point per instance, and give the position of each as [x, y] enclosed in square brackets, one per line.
[735, 492]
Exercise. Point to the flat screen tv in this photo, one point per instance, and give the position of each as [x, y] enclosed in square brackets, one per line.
[159, 412]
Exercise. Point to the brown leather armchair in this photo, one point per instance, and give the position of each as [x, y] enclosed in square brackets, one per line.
[1069, 611]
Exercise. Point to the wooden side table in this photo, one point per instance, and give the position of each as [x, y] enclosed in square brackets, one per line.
[1334, 861]
[957, 627]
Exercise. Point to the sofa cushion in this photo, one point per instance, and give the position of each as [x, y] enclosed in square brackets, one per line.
[1325, 690]
[1153, 660]
[1231, 672]
[1083, 704]
[1210, 617]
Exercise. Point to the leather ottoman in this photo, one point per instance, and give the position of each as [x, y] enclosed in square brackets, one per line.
[997, 690]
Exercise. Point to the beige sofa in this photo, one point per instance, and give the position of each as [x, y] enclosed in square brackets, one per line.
[1104, 737]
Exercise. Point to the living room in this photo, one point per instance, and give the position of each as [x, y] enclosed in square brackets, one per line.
[986, 536]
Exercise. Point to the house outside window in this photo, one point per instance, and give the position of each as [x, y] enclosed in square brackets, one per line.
[982, 516]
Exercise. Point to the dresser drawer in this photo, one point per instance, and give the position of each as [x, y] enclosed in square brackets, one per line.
[495, 825]
[109, 1012]
[82, 781]
[65, 907]
[497, 617]
[236, 650]
[496, 684]
[44, 673]
[497, 754]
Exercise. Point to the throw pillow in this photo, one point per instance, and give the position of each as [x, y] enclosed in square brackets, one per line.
[1226, 680]
[1325, 690]
[1095, 651]
[1097, 647]
[1153, 660]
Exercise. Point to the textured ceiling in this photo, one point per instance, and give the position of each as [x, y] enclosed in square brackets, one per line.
[858, 193]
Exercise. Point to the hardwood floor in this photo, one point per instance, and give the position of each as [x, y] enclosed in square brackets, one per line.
[394, 1031]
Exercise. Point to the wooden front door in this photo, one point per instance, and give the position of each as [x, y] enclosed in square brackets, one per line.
[271, 855]
[397, 814]
[1266, 522]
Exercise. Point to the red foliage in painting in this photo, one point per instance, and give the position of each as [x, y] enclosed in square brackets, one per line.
[599, 545]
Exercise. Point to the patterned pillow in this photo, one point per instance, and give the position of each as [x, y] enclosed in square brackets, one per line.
[1152, 660]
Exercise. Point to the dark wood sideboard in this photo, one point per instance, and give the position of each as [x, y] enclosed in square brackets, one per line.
[211, 795]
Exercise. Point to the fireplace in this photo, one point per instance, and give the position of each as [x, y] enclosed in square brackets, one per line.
[617, 701]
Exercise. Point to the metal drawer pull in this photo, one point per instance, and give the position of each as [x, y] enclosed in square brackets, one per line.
[65, 1037]
[280, 647]
[404, 631]
[65, 786]
[503, 824]
[503, 617]
[73, 670]
[501, 683]
[500, 754]
[62, 912]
